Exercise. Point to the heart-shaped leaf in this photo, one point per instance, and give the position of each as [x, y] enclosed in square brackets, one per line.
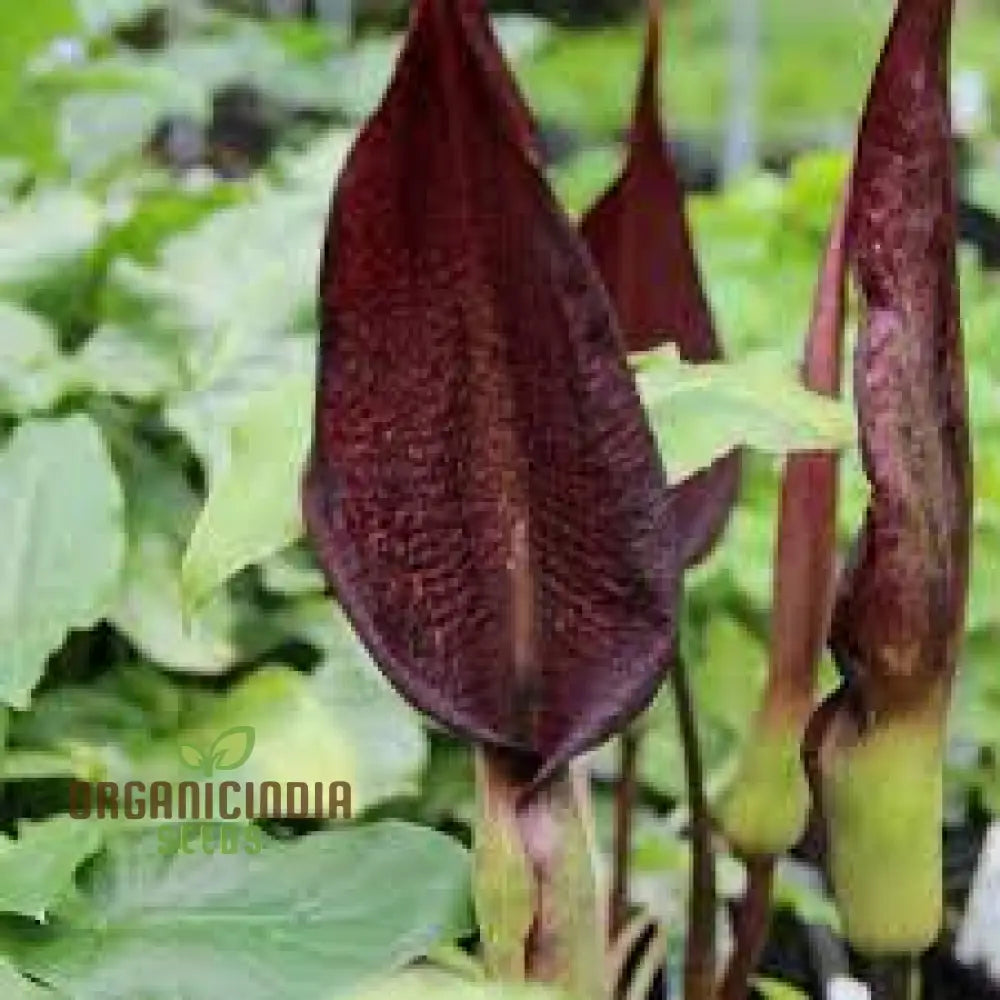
[484, 491]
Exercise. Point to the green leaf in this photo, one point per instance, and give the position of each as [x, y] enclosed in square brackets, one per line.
[183, 76]
[35, 375]
[389, 743]
[63, 514]
[520, 35]
[975, 717]
[28, 30]
[37, 869]
[122, 362]
[362, 75]
[341, 724]
[772, 989]
[314, 168]
[748, 553]
[803, 895]
[100, 16]
[28, 342]
[983, 610]
[207, 414]
[728, 672]
[161, 507]
[12, 174]
[293, 573]
[252, 509]
[118, 707]
[815, 184]
[98, 129]
[199, 285]
[31, 366]
[358, 78]
[701, 412]
[13, 986]
[43, 233]
[150, 610]
[313, 918]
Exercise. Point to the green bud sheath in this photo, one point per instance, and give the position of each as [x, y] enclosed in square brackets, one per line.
[765, 809]
[900, 608]
[883, 797]
[534, 881]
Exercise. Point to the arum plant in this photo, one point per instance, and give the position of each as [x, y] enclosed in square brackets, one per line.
[639, 237]
[765, 810]
[484, 491]
[486, 497]
[899, 613]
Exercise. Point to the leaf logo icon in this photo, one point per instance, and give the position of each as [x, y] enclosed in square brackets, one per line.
[230, 750]
[194, 758]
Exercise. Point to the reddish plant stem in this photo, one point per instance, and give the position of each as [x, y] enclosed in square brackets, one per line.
[625, 793]
[753, 921]
[700, 953]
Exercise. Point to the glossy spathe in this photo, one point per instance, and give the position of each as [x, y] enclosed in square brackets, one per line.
[484, 492]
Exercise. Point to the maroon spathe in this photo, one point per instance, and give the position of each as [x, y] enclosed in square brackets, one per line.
[484, 491]
[638, 235]
[899, 615]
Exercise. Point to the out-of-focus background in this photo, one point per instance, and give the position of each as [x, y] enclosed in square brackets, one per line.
[165, 172]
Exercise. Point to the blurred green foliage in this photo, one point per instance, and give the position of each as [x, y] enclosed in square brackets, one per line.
[157, 340]
[813, 77]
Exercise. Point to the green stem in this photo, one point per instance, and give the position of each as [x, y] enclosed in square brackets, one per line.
[700, 953]
[624, 812]
[535, 884]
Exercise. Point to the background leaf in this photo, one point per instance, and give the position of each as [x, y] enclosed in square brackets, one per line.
[701, 412]
[41, 234]
[66, 546]
[252, 509]
[161, 509]
[16, 987]
[30, 362]
[299, 920]
[37, 869]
